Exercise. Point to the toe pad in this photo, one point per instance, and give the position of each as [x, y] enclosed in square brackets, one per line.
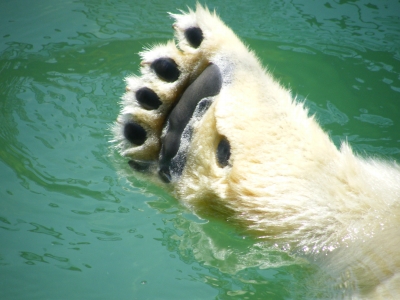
[194, 36]
[166, 69]
[223, 152]
[148, 99]
[134, 133]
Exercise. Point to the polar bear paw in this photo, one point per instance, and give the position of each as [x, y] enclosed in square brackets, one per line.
[207, 121]
[179, 82]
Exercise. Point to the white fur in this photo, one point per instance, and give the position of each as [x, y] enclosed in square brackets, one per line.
[286, 180]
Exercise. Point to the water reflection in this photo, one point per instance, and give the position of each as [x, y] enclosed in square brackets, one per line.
[44, 230]
[44, 108]
[31, 258]
[333, 26]
[234, 262]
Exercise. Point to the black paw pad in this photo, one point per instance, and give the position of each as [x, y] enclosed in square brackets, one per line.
[223, 152]
[147, 98]
[166, 68]
[208, 84]
[135, 133]
[194, 36]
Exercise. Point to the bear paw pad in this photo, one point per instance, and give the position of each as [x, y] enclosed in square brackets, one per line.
[177, 86]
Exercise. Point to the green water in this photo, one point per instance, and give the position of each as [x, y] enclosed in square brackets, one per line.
[73, 226]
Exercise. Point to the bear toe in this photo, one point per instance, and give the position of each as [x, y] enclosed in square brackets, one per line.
[134, 133]
[194, 35]
[148, 99]
[166, 69]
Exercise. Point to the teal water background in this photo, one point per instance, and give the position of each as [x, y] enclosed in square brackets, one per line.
[73, 226]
